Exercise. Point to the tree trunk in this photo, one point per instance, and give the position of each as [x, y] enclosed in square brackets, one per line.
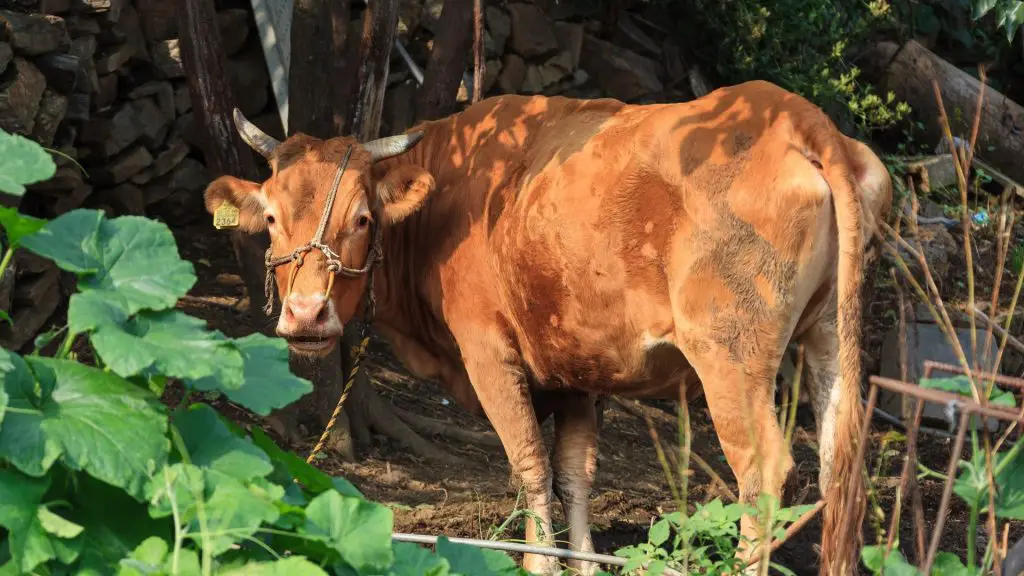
[224, 150]
[447, 62]
[380, 21]
[479, 64]
[315, 49]
[909, 71]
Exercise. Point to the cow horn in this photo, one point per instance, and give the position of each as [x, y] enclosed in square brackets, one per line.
[256, 139]
[382, 148]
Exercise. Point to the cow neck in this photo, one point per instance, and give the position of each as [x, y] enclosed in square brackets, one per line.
[398, 304]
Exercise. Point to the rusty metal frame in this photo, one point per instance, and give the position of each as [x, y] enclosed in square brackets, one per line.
[908, 478]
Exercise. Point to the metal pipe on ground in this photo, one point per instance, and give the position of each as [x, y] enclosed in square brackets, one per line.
[560, 553]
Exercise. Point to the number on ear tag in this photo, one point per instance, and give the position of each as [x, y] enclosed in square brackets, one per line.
[225, 216]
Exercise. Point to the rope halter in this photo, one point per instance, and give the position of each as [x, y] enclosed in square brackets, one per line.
[334, 264]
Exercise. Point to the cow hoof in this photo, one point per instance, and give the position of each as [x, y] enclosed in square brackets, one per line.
[541, 565]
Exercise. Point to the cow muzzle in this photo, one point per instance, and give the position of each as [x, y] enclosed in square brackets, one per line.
[309, 324]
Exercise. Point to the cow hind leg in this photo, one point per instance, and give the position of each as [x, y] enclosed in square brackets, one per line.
[575, 464]
[821, 354]
[740, 397]
[501, 386]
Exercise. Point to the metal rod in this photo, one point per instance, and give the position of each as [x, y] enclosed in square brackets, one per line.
[954, 369]
[941, 397]
[416, 72]
[524, 548]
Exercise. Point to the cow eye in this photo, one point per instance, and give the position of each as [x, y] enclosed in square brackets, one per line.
[363, 221]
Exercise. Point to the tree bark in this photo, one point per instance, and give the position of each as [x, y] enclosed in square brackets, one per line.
[309, 95]
[908, 72]
[315, 81]
[479, 64]
[447, 62]
[224, 150]
[380, 22]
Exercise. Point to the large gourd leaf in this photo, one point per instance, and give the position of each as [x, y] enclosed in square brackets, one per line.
[132, 260]
[92, 420]
[24, 162]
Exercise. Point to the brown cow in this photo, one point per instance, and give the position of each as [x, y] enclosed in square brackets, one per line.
[572, 248]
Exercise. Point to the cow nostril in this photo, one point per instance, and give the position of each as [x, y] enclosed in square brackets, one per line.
[321, 316]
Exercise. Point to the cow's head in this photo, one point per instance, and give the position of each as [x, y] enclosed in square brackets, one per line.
[290, 205]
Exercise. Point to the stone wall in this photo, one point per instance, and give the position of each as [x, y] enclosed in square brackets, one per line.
[102, 82]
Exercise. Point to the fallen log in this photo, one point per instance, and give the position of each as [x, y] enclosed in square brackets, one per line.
[908, 71]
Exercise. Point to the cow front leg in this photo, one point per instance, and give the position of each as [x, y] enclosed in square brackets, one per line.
[501, 387]
[575, 464]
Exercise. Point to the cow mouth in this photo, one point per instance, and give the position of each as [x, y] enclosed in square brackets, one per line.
[312, 345]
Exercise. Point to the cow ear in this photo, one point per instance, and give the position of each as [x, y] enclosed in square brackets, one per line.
[403, 190]
[228, 192]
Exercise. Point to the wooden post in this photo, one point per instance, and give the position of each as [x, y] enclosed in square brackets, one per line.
[226, 153]
[314, 84]
[479, 64]
[447, 62]
[380, 22]
[309, 88]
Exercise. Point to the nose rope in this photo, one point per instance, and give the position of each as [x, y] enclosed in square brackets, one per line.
[334, 264]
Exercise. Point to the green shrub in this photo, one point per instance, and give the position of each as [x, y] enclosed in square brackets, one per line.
[801, 45]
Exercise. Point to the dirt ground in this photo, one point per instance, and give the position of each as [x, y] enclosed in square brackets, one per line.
[631, 489]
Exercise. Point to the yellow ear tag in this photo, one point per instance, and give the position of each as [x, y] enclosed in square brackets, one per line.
[225, 216]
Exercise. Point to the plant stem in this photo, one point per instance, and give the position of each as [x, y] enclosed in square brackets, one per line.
[179, 535]
[6, 261]
[65, 346]
[972, 535]
[207, 546]
[26, 411]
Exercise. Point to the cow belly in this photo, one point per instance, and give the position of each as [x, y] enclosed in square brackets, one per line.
[636, 366]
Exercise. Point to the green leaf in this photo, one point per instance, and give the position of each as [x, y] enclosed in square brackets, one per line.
[115, 524]
[962, 385]
[175, 489]
[982, 7]
[133, 260]
[4, 399]
[17, 225]
[20, 498]
[57, 525]
[658, 533]
[22, 439]
[95, 421]
[232, 510]
[269, 383]
[358, 529]
[169, 342]
[147, 558]
[235, 511]
[288, 466]
[895, 563]
[211, 444]
[24, 163]
[949, 564]
[292, 566]
[414, 560]
[1013, 20]
[1010, 482]
[470, 560]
